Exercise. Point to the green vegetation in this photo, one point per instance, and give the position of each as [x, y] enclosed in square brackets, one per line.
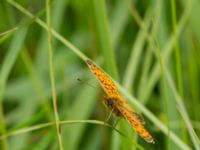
[151, 49]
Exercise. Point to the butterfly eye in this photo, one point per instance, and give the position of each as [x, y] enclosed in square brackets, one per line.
[109, 102]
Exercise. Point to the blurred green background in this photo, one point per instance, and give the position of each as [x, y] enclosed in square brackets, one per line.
[151, 48]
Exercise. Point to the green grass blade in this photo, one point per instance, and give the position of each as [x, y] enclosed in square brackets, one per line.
[154, 119]
[155, 73]
[6, 67]
[183, 112]
[133, 63]
[54, 33]
[101, 20]
[118, 22]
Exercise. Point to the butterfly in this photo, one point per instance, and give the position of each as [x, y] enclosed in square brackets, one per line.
[117, 104]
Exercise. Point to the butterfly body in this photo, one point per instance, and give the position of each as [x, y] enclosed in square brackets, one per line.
[117, 104]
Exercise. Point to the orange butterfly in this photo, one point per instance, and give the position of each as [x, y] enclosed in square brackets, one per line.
[118, 105]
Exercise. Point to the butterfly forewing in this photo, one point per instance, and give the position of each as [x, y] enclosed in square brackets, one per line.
[107, 84]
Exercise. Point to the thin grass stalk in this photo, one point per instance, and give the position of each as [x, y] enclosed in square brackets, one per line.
[54, 33]
[177, 59]
[133, 62]
[164, 87]
[155, 73]
[51, 72]
[183, 111]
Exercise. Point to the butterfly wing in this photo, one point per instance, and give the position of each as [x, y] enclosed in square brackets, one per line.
[110, 102]
[133, 119]
[117, 104]
[107, 84]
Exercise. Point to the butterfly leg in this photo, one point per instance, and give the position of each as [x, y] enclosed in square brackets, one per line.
[109, 104]
[116, 122]
[109, 115]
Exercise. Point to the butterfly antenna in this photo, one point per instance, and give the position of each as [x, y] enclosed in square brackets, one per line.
[78, 79]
